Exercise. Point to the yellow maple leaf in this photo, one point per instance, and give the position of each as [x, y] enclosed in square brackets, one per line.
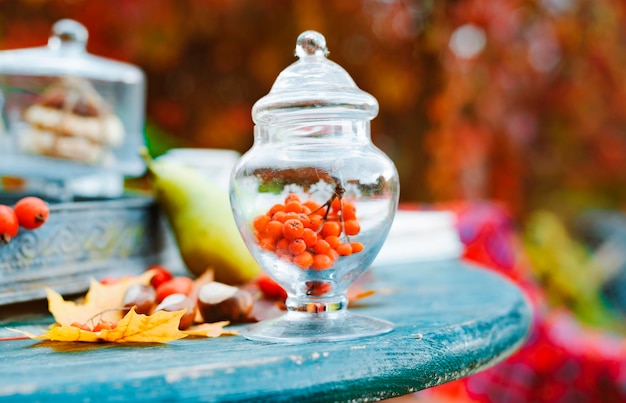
[210, 330]
[68, 333]
[102, 300]
[160, 327]
[103, 303]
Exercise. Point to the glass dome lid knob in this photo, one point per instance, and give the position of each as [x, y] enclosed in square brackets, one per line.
[310, 43]
[68, 33]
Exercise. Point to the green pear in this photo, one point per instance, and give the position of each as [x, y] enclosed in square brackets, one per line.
[202, 222]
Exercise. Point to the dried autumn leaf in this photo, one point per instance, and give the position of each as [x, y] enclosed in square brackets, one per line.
[102, 305]
[160, 327]
[358, 294]
[69, 333]
[102, 300]
[210, 330]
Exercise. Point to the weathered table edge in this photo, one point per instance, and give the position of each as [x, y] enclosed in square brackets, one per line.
[415, 356]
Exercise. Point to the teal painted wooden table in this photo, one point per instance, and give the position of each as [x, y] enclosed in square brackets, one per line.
[451, 320]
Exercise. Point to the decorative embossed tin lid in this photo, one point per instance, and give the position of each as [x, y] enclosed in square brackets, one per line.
[313, 85]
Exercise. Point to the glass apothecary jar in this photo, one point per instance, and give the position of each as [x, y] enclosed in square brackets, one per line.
[70, 120]
[314, 198]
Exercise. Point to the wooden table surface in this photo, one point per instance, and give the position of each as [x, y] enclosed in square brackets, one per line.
[451, 320]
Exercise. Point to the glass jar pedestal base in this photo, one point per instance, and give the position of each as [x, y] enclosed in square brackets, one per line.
[305, 327]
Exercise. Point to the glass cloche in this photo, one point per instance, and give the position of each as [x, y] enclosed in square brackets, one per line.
[70, 120]
[314, 198]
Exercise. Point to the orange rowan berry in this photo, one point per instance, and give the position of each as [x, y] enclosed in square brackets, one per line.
[352, 227]
[344, 249]
[268, 243]
[315, 221]
[292, 229]
[348, 211]
[31, 212]
[312, 205]
[336, 204]
[318, 288]
[333, 255]
[9, 225]
[274, 229]
[331, 228]
[275, 208]
[333, 241]
[292, 216]
[309, 237]
[304, 260]
[297, 246]
[282, 245]
[293, 207]
[306, 221]
[260, 223]
[321, 246]
[279, 216]
[356, 247]
[292, 197]
[333, 217]
[321, 262]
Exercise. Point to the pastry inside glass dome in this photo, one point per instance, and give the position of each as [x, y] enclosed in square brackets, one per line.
[70, 120]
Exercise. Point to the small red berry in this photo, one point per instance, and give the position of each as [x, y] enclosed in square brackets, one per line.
[177, 285]
[109, 280]
[104, 325]
[81, 326]
[31, 212]
[270, 288]
[161, 275]
[9, 225]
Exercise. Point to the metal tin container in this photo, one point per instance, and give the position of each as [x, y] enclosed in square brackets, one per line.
[80, 241]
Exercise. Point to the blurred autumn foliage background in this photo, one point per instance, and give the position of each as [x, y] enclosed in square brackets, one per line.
[521, 101]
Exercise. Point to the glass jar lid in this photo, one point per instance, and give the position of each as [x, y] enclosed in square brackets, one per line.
[66, 55]
[313, 86]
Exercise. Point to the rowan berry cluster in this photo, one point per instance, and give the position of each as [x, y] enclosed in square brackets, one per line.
[310, 235]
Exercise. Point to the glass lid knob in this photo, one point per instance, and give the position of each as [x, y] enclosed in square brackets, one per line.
[311, 43]
[68, 33]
